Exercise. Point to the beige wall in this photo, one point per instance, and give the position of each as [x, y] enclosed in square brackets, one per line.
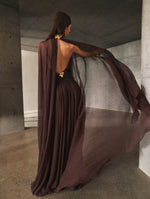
[30, 86]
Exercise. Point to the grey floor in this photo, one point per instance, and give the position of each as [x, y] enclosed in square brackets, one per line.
[120, 179]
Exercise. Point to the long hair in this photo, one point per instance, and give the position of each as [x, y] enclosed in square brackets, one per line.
[60, 22]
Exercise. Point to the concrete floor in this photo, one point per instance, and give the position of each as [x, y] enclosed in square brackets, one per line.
[120, 179]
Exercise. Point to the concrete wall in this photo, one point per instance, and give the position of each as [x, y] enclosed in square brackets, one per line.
[144, 154]
[128, 53]
[11, 101]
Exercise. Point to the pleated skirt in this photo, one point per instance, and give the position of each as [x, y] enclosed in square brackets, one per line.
[68, 106]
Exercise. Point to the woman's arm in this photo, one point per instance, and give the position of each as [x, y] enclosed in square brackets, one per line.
[77, 50]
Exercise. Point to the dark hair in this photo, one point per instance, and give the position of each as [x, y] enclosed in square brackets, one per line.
[60, 22]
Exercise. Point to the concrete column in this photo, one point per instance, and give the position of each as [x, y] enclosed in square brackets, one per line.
[144, 153]
[11, 97]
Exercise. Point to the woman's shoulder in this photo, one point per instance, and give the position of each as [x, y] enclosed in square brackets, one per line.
[65, 44]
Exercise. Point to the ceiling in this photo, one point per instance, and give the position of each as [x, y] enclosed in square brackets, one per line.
[105, 23]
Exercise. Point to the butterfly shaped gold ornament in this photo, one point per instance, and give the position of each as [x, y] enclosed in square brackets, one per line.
[61, 74]
[58, 36]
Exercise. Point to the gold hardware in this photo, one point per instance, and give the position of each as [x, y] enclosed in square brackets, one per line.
[61, 74]
[58, 36]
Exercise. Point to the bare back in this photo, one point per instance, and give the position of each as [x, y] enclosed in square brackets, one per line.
[64, 53]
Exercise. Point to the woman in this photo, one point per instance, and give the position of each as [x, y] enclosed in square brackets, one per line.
[79, 87]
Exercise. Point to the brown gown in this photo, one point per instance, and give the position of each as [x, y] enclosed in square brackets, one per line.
[77, 137]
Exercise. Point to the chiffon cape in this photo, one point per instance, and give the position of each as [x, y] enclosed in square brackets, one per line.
[113, 117]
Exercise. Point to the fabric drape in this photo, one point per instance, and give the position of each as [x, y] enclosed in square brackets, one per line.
[93, 114]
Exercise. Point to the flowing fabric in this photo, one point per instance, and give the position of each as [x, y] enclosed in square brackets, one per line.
[91, 114]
